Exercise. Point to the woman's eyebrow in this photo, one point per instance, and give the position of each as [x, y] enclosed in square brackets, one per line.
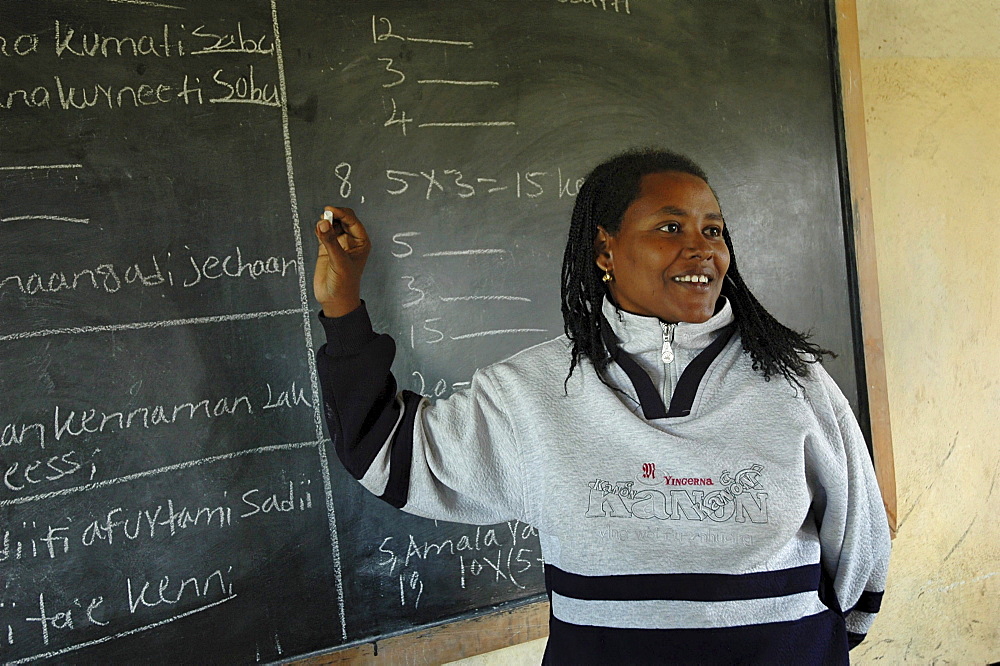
[680, 212]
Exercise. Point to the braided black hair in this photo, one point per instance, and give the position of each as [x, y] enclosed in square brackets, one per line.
[602, 200]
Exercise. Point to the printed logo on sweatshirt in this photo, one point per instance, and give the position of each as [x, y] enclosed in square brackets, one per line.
[728, 497]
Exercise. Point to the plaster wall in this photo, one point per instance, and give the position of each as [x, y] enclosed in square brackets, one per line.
[931, 80]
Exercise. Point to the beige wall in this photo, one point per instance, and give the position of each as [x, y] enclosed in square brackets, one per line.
[931, 79]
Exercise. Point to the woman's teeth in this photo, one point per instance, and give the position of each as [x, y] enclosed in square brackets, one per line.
[691, 278]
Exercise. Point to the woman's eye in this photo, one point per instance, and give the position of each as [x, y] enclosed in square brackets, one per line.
[671, 227]
[714, 231]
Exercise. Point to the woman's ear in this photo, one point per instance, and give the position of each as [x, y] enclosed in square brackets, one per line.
[602, 251]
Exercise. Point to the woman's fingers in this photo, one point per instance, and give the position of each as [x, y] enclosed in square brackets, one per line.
[341, 234]
[343, 250]
[347, 227]
[329, 244]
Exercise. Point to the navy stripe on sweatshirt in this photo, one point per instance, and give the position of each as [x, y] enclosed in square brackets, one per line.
[818, 639]
[397, 489]
[649, 398]
[869, 602]
[684, 586]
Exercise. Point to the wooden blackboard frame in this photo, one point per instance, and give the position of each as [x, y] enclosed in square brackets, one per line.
[858, 213]
[511, 626]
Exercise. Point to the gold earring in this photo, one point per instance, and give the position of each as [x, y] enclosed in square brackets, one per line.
[608, 277]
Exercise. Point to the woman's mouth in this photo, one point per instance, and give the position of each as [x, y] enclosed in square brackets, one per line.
[693, 279]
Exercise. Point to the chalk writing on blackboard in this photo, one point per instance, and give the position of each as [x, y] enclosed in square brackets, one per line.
[616, 6]
[382, 31]
[432, 183]
[158, 270]
[242, 85]
[168, 489]
[478, 556]
[69, 423]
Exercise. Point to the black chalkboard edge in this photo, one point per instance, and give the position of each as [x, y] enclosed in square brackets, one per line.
[858, 213]
[485, 630]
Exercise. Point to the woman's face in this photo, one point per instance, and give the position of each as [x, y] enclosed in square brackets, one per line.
[668, 257]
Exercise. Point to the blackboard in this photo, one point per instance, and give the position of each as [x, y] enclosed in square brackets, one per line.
[169, 494]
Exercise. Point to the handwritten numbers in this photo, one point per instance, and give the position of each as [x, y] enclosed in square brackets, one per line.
[397, 118]
[457, 184]
[343, 173]
[467, 190]
[440, 387]
[383, 22]
[437, 337]
[423, 384]
[436, 332]
[420, 292]
[389, 68]
[415, 584]
[405, 184]
[531, 177]
[400, 254]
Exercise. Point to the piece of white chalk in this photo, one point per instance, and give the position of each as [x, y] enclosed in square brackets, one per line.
[328, 215]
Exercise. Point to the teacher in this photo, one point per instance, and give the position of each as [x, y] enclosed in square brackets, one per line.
[701, 488]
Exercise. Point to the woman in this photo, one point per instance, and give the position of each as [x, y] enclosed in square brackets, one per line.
[689, 508]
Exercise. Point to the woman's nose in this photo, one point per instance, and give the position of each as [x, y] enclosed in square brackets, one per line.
[699, 247]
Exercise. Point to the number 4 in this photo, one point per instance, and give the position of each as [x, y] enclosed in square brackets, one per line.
[402, 120]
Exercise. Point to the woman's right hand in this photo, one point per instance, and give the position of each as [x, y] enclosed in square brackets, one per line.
[343, 251]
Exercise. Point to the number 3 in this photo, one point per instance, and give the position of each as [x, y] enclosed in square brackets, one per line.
[388, 68]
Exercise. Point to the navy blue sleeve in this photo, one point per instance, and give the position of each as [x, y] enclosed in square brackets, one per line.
[361, 407]
[454, 459]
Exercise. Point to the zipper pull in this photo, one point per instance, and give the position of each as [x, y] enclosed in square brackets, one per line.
[666, 352]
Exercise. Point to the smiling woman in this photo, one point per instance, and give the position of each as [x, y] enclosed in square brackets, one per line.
[668, 253]
[763, 537]
[629, 207]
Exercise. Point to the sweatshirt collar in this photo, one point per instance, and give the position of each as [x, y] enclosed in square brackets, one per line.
[638, 334]
[646, 333]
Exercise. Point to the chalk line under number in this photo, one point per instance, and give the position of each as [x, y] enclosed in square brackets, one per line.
[500, 331]
[451, 82]
[449, 299]
[483, 123]
[464, 253]
[50, 218]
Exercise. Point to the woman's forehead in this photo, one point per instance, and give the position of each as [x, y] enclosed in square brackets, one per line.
[673, 192]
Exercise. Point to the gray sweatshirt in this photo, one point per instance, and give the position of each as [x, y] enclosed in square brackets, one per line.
[688, 510]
